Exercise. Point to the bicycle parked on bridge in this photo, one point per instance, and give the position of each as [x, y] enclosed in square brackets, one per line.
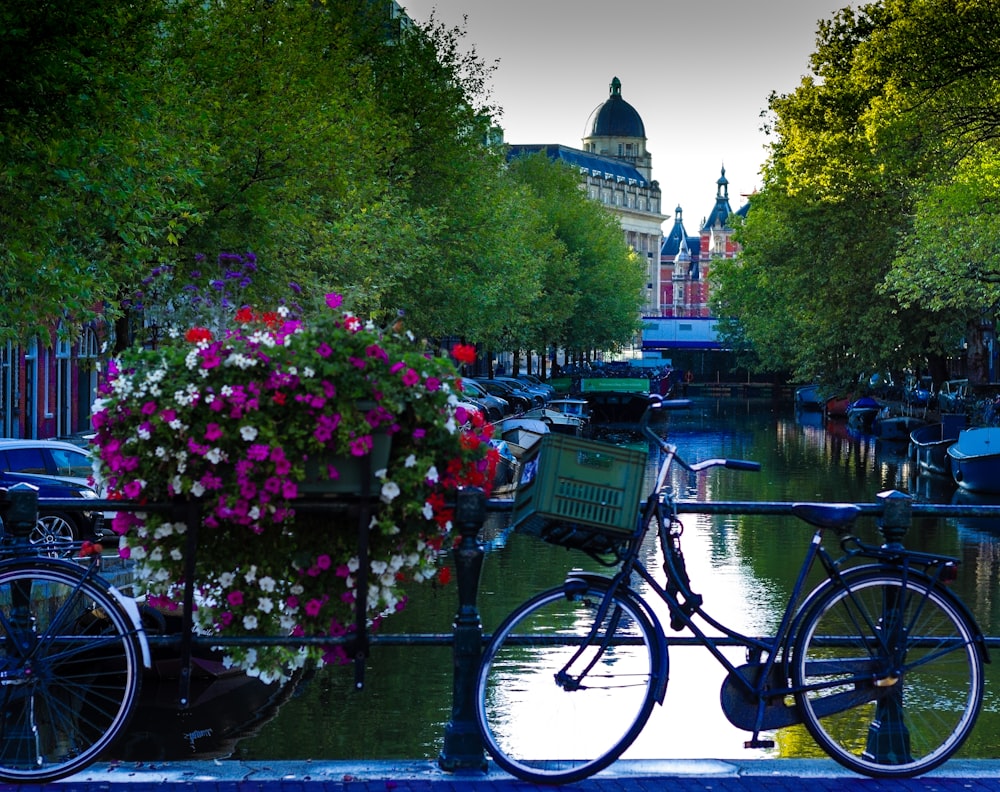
[72, 649]
[880, 661]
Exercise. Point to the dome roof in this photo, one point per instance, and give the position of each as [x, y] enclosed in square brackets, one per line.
[616, 117]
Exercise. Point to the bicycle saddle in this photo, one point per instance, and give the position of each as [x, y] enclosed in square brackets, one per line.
[827, 515]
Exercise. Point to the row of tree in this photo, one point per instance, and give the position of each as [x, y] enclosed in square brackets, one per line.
[875, 242]
[347, 154]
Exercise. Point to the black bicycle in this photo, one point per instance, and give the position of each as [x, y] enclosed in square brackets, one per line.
[880, 661]
[72, 650]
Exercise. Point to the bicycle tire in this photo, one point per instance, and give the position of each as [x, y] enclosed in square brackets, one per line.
[888, 708]
[545, 732]
[70, 671]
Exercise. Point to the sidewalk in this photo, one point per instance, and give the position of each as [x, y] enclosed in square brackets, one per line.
[700, 775]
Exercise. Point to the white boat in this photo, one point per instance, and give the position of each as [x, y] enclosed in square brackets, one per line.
[520, 434]
[567, 416]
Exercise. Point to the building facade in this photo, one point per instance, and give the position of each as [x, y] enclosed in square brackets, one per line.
[615, 170]
[686, 260]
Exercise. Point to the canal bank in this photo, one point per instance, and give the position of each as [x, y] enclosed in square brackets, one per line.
[678, 775]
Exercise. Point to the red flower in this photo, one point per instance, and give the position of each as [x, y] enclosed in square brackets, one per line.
[464, 353]
[244, 315]
[196, 334]
[444, 575]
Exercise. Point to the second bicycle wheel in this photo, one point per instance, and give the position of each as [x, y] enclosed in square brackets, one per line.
[69, 670]
[567, 683]
[892, 672]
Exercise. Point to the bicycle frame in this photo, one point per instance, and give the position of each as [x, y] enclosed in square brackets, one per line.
[755, 694]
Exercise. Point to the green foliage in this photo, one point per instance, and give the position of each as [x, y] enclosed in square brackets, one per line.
[594, 281]
[350, 157]
[872, 244]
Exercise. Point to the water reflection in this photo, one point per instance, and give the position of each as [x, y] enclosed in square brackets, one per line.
[743, 565]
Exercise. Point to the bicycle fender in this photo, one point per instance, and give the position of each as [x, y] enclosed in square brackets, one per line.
[661, 658]
[947, 593]
[129, 606]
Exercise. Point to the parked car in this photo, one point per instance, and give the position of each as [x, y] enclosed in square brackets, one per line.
[531, 379]
[495, 408]
[57, 526]
[519, 400]
[58, 459]
[46, 458]
[539, 395]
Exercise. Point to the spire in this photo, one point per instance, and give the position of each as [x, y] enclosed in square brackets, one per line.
[616, 87]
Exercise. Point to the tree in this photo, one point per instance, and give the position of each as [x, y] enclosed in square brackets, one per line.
[850, 184]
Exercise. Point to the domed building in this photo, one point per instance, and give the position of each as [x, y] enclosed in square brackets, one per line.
[615, 129]
[617, 171]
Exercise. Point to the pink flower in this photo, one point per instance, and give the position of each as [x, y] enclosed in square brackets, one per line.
[235, 598]
[333, 300]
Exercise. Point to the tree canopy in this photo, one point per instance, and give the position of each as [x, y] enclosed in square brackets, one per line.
[347, 153]
[871, 245]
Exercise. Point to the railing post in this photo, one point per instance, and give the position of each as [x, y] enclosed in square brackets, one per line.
[463, 747]
[897, 516]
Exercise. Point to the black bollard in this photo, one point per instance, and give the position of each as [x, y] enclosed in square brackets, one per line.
[463, 747]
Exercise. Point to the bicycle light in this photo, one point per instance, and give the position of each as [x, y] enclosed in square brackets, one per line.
[949, 572]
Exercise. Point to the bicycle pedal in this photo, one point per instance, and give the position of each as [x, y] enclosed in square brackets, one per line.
[756, 743]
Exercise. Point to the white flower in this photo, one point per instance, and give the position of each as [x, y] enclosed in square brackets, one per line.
[251, 574]
[410, 461]
[248, 433]
[428, 511]
[267, 583]
[390, 491]
[226, 579]
[432, 475]
[197, 489]
[250, 622]
[265, 605]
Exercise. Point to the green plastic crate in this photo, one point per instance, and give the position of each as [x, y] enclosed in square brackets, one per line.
[576, 488]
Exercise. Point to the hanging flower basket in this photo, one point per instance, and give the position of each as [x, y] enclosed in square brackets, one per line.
[250, 418]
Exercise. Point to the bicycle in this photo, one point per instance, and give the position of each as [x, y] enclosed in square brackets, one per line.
[880, 662]
[72, 649]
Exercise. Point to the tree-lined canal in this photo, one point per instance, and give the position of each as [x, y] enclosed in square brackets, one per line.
[743, 565]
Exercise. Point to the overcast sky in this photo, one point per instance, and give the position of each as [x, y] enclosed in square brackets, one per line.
[697, 71]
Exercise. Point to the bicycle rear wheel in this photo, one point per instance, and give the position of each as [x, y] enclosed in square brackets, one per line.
[567, 682]
[69, 671]
[893, 673]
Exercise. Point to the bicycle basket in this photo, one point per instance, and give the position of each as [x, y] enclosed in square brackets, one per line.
[579, 493]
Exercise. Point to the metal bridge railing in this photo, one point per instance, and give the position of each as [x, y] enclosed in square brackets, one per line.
[462, 746]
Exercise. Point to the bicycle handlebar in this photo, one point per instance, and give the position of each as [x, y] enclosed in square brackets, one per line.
[679, 404]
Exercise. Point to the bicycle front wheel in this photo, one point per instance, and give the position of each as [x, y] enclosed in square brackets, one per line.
[69, 671]
[567, 682]
[891, 672]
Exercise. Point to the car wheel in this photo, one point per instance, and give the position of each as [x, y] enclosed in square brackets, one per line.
[55, 530]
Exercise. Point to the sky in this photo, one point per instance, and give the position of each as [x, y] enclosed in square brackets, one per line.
[699, 73]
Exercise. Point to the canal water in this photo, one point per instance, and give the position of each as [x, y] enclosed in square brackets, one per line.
[743, 565]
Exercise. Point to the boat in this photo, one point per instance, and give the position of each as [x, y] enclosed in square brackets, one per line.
[929, 443]
[514, 438]
[919, 392]
[567, 416]
[836, 406]
[861, 413]
[953, 395]
[975, 459]
[809, 398]
[887, 426]
[619, 408]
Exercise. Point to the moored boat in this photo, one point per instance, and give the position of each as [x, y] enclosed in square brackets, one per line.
[895, 427]
[567, 416]
[975, 459]
[809, 398]
[929, 443]
[861, 413]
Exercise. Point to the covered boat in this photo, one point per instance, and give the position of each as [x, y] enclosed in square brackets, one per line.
[975, 459]
[929, 444]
